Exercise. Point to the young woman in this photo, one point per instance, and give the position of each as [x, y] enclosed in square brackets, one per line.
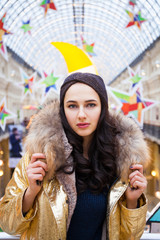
[82, 174]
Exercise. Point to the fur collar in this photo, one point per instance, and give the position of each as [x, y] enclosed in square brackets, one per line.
[132, 147]
[47, 136]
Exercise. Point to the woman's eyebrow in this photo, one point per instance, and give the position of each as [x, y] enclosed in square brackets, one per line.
[91, 100]
[73, 101]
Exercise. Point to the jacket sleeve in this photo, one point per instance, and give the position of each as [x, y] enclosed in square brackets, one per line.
[12, 220]
[133, 221]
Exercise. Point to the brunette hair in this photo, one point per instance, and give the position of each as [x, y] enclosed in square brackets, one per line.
[99, 171]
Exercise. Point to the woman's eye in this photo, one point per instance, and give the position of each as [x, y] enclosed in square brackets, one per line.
[72, 106]
[91, 105]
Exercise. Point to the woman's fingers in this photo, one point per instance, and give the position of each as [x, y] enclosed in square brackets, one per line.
[37, 164]
[35, 156]
[37, 170]
[137, 185]
[38, 177]
[137, 172]
[140, 185]
[138, 167]
[136, 177]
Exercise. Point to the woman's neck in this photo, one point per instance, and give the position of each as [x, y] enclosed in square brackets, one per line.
[86, 145]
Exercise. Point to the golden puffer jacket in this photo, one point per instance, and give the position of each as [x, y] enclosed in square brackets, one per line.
[51, 213]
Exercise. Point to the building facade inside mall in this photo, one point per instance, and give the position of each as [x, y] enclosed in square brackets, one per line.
[42, 43]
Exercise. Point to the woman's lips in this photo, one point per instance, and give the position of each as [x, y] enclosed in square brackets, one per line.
[83, 125]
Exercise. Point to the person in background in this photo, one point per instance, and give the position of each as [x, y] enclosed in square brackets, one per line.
[15, 140]
[82, 174]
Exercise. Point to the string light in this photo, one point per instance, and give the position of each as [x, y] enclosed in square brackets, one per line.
[1, 163]
[157, 194]
[143, 73]
[153, 173]
[157, 63]
[1, 173]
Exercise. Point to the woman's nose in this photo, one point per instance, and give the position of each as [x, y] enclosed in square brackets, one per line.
[81, 113]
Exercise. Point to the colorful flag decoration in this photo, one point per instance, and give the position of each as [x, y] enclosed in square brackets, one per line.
[134, 77]
[88, 47]
[132, 104]
[3, 50]
[3, 32]
[30, 107]
[27, 83]
[46, 4]
[48, 83]
[132, 3]
[135, 19]
[5, 114]
[26, 27]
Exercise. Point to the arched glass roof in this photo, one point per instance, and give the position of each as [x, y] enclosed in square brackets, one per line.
[102, 22]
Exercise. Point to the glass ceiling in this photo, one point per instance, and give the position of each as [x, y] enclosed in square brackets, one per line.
[102, 22]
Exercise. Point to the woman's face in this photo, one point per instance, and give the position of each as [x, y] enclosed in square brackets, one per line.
[82, 107]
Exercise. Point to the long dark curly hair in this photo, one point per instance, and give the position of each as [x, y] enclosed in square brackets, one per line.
[99, 171]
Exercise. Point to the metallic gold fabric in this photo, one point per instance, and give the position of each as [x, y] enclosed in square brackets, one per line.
[124, 223]
[48, 218]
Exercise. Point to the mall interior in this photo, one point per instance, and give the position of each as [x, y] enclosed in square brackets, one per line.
[42, 42]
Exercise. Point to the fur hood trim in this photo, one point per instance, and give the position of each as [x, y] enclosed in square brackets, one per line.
[132, 148]
[46, 135]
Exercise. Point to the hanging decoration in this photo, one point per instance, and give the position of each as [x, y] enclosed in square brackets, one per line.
[135, 77]
[30, 107]
[26, 27]
[27, 83]
[47, 4]
[132, 3]
[3, 50]
[48, 82]
[88, 47]
[76, 59]
[132, 104]
[135, 19]
[3, 32]
[5, 114]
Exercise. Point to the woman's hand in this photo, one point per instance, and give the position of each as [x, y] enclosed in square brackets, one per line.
[36, 170]
[137, 185]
